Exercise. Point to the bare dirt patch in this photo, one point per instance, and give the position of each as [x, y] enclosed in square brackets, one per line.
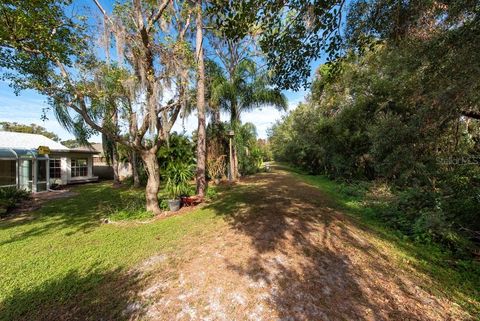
[286, 253]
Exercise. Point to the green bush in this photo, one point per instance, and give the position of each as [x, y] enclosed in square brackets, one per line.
[178, 150]
[10, 197]
[178, 177]
[211, 193]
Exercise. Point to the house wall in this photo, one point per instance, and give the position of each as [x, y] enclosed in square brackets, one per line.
[66, 169]
[105, 171]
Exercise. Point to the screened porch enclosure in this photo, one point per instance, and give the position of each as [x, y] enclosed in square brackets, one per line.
[24, 169]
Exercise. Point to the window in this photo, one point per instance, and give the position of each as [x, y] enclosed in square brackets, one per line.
[55, 168]
[8, 172]
[79, 167]
[42, 170]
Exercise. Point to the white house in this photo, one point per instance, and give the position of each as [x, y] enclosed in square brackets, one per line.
[35, 162]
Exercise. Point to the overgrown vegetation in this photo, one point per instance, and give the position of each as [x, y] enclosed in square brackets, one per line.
[29, 129]
[457, 277]
[249, 150]
[400, 109]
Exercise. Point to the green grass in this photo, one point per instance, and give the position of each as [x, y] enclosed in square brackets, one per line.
[458, 279]
[63, 254]
[62, 258]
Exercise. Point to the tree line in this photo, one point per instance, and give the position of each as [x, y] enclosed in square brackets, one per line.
[401, 99]
[133, 74]
[399, 90]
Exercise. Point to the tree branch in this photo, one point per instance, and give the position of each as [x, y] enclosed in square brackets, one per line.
[99, 6]
[471, 114]
[158, 15]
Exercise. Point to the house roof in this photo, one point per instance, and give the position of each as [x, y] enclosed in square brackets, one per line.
[99, 148]
[94, 148]
[33, 141]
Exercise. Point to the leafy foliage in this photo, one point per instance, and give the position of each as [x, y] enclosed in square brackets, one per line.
[250, 157]
[10, 197]
[177, 163]
[178, 177]
[244, 89]
[291, 34]
[179, 149]
[376, 120]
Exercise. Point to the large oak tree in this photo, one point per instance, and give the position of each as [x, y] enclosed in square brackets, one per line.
[42, 48]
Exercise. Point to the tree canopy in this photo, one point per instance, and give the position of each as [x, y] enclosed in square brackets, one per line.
[400, 108]
[291, 34]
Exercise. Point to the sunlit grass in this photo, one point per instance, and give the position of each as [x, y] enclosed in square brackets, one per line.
[67, 237]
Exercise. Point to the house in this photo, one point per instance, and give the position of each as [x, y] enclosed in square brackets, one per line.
[35, 162]
[104, 170]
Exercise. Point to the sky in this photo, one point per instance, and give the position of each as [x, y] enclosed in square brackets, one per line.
[28, 107]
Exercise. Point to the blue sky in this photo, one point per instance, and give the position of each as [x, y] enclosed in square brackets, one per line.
[28, 107]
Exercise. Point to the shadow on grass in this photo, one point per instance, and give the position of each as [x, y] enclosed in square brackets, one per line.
[79, 213]
[91, 295]
[300, 242]
[456, 278]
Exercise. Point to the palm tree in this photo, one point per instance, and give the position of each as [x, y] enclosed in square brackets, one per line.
[243, 90]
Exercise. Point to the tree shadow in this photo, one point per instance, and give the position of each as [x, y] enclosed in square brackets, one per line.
[80, 213]
[313, 258]
[86, 295]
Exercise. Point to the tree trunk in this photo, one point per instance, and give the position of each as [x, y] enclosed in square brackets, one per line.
[115, 157]
[115, 165]
[234, 124]
[235, 162]
[136, 177]
[216, 117]
[201, 133]
[153, 183]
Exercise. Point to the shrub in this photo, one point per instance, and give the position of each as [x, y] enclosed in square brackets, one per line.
[10, 197]
[178, 176]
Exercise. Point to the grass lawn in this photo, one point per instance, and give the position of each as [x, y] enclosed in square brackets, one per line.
[62, 255]
[457, 278]
[61, 261]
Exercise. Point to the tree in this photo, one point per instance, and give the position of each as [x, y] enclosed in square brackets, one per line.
[439, 40]
[291, 34]
[243, 89]
[71, 143]
[214, 76]
[52, 53]
[31, 129]
[201, 132]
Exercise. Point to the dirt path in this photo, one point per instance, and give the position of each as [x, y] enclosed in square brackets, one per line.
[284, 253]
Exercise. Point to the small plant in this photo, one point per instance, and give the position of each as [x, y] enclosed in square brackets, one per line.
[178, 177]
[126, 207]
[212, 193]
